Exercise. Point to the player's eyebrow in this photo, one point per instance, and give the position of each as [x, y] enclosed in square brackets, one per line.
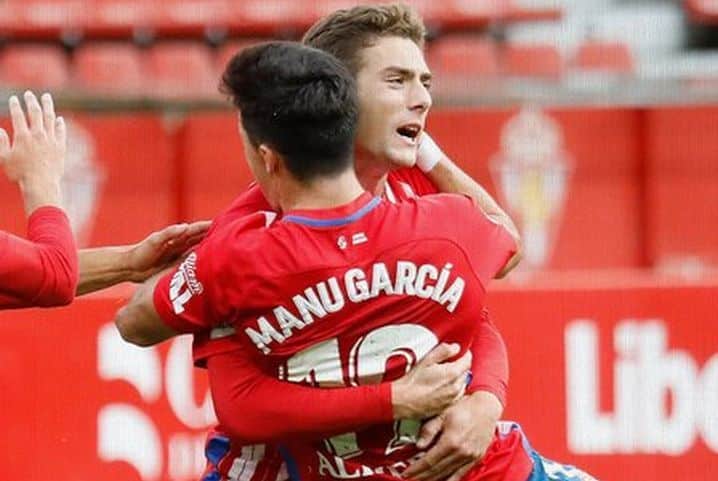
[407, 73]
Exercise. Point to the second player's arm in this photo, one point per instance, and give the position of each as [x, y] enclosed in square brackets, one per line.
[255, 407]
[461, 435]
[450, 178]
[102, 267]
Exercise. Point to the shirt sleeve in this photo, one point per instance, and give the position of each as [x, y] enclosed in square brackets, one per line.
[488, 245]
[41, 270]
[189, 298]
[257, 408]
[490, 365]
[205, 290]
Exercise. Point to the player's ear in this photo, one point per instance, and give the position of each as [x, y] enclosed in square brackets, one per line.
[270, 158]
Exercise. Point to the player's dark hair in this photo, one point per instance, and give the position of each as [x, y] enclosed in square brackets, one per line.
[298, 100]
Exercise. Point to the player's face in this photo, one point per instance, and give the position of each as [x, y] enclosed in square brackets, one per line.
[394, 99]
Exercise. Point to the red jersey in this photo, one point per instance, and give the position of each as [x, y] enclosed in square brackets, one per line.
[400, 185]
[42, 269]
[490, 365]
[350, 296]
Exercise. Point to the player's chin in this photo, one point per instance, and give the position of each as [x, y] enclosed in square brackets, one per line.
[402, 158]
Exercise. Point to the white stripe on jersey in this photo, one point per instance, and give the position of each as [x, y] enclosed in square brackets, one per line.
[283, 474]
[269, 217]
[407, 190]
[243, 467]
[389, 193]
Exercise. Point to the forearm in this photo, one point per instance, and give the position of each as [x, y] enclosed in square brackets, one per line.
[450, 178]
[488, 405]
[255, 407]
[103, 267]
[37, 193]
[490, 365]
[138, 321]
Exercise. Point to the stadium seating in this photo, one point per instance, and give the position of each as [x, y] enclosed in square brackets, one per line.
[607, 57]
[182, 69]
[532, 60]
[118, 18]
[705, 11]
[34, 66]
[464, 55]
[52, 19]
[109, 69]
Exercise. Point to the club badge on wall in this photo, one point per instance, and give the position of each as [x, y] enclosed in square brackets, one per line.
[532, 171]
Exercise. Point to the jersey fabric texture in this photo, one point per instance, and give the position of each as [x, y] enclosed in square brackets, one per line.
[490, 362]
[349, 296]
[41, 270]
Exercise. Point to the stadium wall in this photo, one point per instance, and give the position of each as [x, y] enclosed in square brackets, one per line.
[595, 188]
[622, 381]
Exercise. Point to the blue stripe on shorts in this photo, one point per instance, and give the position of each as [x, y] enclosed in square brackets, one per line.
[547, 470]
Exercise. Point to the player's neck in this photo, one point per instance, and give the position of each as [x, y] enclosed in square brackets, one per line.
[371, 171]
[325, 193]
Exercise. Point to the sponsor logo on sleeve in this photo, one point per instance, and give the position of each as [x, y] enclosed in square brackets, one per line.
[184, 284]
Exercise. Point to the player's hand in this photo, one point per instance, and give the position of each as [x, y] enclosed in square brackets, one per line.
[462, 433]
[36, 157]
[163, 248]
[432, 385]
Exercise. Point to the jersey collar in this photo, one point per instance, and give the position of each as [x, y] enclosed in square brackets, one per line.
[336, 217]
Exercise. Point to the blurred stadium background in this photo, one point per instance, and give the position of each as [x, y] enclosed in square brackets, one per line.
[594, 121]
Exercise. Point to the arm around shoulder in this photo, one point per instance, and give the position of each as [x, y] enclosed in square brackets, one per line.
[138, 322]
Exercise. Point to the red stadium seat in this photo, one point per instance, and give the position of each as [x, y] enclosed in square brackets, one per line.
[43, 19]
[193, 17]
[34, 66]
[182, 69]
[109, 69]
[118, 18]
[532, 61]
[608, 57]
[703, 11]
[464, 56]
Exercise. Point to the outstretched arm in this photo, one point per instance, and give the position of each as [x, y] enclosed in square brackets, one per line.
[42, 269]
[450, 178]
[102, 267]
[253, 406]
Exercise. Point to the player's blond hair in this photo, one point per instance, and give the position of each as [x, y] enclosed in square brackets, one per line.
[346, 32]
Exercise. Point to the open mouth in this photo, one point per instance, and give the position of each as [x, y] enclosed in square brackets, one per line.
[410, 132]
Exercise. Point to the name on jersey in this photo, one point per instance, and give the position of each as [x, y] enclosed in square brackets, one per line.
[405, 278]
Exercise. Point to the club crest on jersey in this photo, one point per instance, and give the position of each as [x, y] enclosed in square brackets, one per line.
[405, 278]
[184, 284]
